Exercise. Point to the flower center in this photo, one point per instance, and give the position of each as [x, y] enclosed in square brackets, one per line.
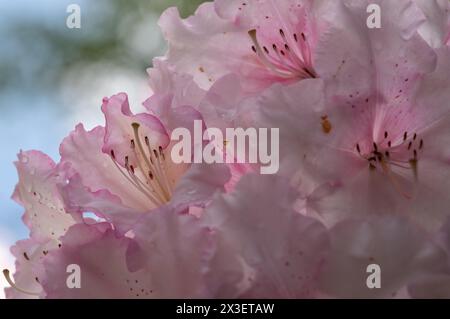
[149, 174]
[393, 154]
[291, 58]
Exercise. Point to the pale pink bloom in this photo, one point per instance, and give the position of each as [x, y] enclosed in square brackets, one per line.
[120, 173]
[126, 169]
[364, 122]
[368, 144]
[378, 146]
[263, 42]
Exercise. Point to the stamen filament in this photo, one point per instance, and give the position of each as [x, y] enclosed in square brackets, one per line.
[147, 161]
[264, 60]
[7, 275]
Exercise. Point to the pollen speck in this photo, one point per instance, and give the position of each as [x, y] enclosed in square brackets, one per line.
[326, 125]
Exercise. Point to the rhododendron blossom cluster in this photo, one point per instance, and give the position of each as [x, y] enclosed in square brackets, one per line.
[363, 116]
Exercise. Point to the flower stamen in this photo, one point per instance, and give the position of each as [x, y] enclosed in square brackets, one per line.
[149, 175]
[292, 62]
[404, 155]
[7, 275]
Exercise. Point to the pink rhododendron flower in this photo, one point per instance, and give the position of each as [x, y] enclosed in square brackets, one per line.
[364, 122]
[380, 149]
[263, 42]
[134, 169]
[372, 148]
[120, 173]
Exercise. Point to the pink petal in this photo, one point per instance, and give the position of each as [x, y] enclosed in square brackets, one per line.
[82, 152]
[209, 47]
[171, 90]
[199, 184]
[29, 255]
[436, 29]
[282, 249]
[360, 62]
[37, 192]
[119, 129]
[403, 252]
[101, 257]
[175, 252]
[80, 199]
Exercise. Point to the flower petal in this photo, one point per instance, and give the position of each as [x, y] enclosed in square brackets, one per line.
[283, 248]
[119, 129]
[175, 251]
[101, 257]
[37, 192]
[82, 152]
[436, 29]
[403, 252]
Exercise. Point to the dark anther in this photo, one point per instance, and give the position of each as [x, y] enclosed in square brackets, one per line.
[113, 155]
[385, 134]
[409, 145]
[358, 148]
[405, 136]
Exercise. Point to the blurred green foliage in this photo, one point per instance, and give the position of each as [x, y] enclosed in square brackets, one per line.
[41, 53]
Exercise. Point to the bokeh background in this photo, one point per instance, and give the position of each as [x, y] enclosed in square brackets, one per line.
[53, 77]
